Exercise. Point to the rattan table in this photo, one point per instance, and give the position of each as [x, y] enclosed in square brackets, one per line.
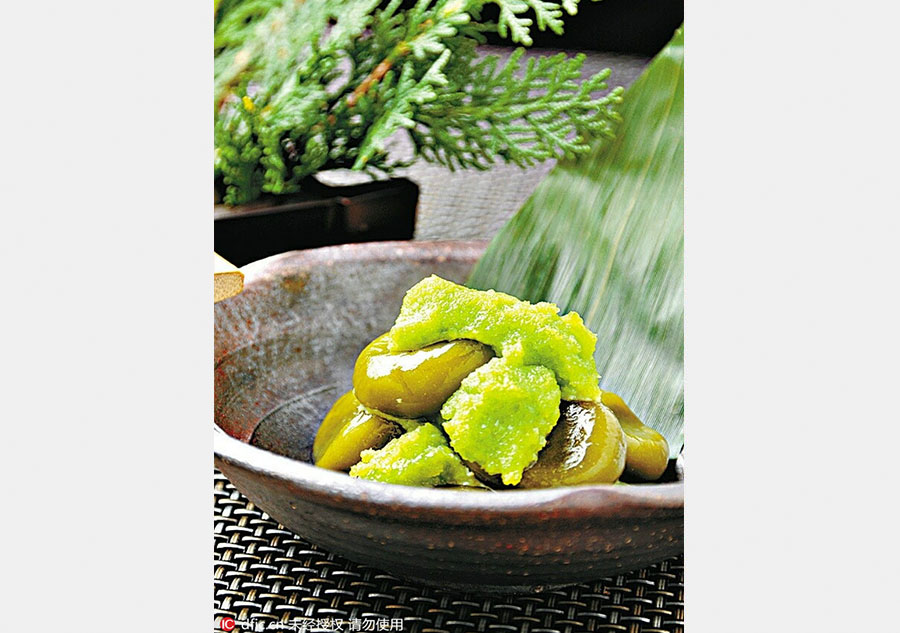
[267, 578]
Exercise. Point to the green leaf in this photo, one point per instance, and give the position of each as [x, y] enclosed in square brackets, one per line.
[514, 119]
[399, 113]
[548, 15]
[509, 19]
[304, 86]
[604, 235]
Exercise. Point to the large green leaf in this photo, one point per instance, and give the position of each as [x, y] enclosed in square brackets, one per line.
[604, 235]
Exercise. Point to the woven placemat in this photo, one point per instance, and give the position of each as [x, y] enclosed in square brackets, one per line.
[267, 579]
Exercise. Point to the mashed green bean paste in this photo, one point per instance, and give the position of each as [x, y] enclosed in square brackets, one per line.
[524, 333]
[477, 381]
[420, 457]
[501, 415]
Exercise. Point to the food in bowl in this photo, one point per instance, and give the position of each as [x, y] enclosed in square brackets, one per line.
[479, 389]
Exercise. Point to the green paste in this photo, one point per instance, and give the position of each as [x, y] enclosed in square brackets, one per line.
[501, 415]
[420, 457]
[503, 411]
[521, 332]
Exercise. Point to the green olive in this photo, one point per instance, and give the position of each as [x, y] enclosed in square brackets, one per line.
[414, 384]
[587, 446]
[494, 482]
[347, 430]
[648, 451]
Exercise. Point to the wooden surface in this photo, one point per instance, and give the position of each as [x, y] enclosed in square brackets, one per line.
[228, 280]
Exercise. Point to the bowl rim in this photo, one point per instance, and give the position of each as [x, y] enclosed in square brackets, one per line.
[339, 490]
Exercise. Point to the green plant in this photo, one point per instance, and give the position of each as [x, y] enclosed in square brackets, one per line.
[305, 86]
[603, 235]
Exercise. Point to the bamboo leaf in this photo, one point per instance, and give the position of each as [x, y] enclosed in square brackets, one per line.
[604, 235]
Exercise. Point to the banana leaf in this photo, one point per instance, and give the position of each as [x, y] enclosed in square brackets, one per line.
[603, 235]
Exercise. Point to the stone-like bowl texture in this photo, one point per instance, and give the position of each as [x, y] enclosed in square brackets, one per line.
[284, 351]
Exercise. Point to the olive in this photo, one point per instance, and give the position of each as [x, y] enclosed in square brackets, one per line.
[494, 482]
[414, 384]
[587, 446]
[648, 451]
[347, 430]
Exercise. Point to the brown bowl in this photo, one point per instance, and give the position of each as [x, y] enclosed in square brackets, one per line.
[284, 351]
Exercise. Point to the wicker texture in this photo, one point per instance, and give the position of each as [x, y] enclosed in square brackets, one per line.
[266, 575]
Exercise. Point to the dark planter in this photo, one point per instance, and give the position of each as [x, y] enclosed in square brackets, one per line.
[320, 215]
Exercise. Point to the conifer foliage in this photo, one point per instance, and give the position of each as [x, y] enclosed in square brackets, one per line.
[304, 86]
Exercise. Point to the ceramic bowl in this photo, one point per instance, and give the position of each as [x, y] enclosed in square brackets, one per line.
[284, 351]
